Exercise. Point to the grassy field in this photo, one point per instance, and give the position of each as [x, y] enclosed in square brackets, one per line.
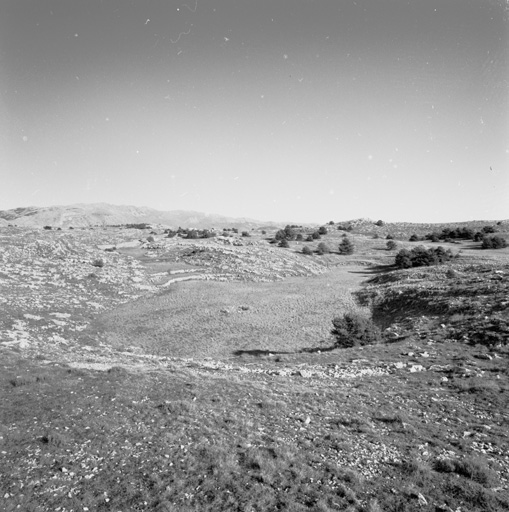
[214, 319]
[211, 395]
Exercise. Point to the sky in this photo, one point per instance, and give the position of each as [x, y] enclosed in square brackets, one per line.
[294, 110]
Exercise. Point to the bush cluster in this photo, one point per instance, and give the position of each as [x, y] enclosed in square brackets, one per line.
[190, 233]
[463, 233]
[353, 329]
[422, 257]
[140, 225]
[289, 233]
[493, 242]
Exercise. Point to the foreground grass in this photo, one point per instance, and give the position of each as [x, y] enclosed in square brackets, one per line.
[176, 438]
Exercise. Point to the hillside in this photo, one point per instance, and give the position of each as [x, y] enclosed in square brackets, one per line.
[403, 230]
[102, 214]
[142, 372]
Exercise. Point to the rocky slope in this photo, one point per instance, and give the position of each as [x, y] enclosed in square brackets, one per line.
[100, 214]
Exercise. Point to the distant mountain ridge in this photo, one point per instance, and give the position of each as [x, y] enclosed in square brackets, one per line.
[104, 214]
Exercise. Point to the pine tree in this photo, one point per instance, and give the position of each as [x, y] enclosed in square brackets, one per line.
[346, 246]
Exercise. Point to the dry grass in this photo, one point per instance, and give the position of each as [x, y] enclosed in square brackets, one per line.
[213, 319]
[185, 439]
[416, 424]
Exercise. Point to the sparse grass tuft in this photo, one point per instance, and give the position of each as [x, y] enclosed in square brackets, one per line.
[475, 468]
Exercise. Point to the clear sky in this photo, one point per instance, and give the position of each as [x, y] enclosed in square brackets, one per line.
[304, 110]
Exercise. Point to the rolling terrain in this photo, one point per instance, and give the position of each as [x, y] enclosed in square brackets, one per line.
[147, 372]
[103, 214]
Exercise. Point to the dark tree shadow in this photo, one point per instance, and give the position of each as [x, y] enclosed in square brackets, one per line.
[374, 270]
[259, 353]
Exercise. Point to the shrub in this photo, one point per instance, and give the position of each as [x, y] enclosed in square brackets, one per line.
[284, 243]
[264, 232]
[379, 223]
[403, 259]
[488, 331]
[307, 250]
[488, 229]
[414, 238]
[422, 257]
[346, 246]
[286, 234]
[150, 239]
[141, 225]
[323, 248]
[290, 233]
[246, 233]
[48, 227]
[451, 234]
[98, 263]
[309, 238]
[322, 230]
[391, 245]
[474, 468]
[389, 237]
[353, 329]
[315, 235]
[493, 242]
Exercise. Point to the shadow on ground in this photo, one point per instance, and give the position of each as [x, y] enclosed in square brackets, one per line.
[374, 270]
[314, 350]
[259, 353]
